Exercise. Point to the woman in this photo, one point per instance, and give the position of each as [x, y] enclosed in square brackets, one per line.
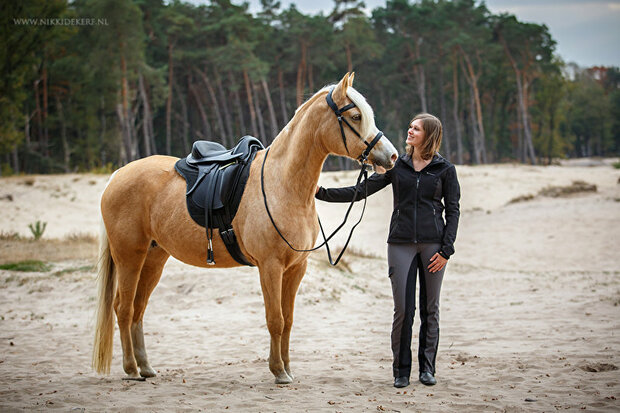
[419, 238]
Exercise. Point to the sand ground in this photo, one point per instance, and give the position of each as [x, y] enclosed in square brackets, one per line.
[530, 310]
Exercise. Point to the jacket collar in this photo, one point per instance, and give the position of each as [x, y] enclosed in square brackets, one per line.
[437, 159]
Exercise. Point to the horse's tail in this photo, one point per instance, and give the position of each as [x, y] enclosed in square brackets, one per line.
[106, 281]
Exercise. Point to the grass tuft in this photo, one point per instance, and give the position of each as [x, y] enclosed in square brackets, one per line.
[27, 266]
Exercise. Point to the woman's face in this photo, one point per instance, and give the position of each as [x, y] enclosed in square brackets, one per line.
[416, 134]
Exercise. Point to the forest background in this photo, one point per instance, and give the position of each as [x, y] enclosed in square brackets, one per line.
[91, 85]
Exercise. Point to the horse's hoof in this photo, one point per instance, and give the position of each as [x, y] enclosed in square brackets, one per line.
[133, 378]
[283, 378]
[147, 372]
[290, 374]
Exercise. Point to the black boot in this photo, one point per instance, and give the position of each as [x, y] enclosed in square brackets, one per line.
[427, 378]
[401, 381]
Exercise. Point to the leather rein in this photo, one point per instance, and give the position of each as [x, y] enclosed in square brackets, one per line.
[363, 158]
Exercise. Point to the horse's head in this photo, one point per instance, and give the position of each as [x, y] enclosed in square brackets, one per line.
[349, 127]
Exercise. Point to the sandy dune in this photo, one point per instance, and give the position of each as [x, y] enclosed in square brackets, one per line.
[530, 310]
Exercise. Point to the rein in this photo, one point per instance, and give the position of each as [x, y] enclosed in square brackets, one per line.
[363, 158]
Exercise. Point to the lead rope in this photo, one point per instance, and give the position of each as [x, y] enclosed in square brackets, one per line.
[363, 173]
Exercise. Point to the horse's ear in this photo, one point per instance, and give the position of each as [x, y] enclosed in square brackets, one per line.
[351, 76]
[342, 86]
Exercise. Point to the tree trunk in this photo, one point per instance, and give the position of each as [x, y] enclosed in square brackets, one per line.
[444, 114]
[455, 110]
[282, 97]
[259, 115]
[169, 101]
[37, 99]
[15, 158]
[474, 128]
[185, 119]
[239, 107]
[146, 117]
[472, 78]
[227, 118]
[347, 48]
[522, 101]
[63, 134]
[207, 133]
[27, 117]
[527, 127]
[272, 113]
[419, 74]
[551, 135]
[216, 108]
[46, 143]
[310, 78]
[248, 92]
[125, 113]
[122, 150]
[301, 75]
[102, 154]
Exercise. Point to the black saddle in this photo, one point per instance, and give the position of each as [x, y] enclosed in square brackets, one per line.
[216, 179]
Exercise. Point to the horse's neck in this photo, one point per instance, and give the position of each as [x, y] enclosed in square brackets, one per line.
[295, 161]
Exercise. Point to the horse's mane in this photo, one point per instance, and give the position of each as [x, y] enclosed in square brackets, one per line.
[368, 116]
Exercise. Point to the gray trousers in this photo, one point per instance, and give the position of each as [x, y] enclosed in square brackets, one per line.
[405, 261]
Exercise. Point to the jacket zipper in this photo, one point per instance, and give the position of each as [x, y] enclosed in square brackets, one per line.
[415, 210]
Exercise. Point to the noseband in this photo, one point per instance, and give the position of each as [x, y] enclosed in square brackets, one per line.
[364, 156]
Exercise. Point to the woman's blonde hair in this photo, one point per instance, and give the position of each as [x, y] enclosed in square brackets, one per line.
[433, 132]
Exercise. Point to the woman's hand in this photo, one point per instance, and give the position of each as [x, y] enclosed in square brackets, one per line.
[437, 263]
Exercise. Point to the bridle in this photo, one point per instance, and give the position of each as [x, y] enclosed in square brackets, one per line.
[363, 158]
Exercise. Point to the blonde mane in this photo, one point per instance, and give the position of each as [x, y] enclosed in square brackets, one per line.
[368, 126]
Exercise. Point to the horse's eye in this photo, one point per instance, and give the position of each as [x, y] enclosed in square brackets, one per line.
[356, 117]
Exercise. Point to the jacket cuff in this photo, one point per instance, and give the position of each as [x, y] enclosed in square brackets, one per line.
[320, 194]
[443, 254]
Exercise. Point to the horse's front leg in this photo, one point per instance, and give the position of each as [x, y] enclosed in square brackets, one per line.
[271, 284]
[290, 284]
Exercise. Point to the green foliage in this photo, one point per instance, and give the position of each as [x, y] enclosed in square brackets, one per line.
[37, 228]
[106, 169]
[27, 266]
[5, 169]
[217, 72]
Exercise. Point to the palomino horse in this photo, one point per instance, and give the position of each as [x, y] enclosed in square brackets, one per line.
[145, 220]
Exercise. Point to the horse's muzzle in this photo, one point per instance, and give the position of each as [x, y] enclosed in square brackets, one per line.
[383, 156]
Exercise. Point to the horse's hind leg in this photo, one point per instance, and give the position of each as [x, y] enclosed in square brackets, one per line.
[290, 284]
[149, 277]
[128, 265]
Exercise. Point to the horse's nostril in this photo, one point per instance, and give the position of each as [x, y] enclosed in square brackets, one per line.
[394, 157]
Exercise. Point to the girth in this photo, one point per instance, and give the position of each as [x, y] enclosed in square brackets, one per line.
[216, 179]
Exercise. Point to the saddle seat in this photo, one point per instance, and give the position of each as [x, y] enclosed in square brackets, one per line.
[216, 179]
[206, 151]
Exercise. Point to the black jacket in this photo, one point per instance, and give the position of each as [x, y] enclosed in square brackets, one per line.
[418, 207]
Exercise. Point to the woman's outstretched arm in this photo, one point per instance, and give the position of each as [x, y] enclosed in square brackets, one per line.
[375, 183]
